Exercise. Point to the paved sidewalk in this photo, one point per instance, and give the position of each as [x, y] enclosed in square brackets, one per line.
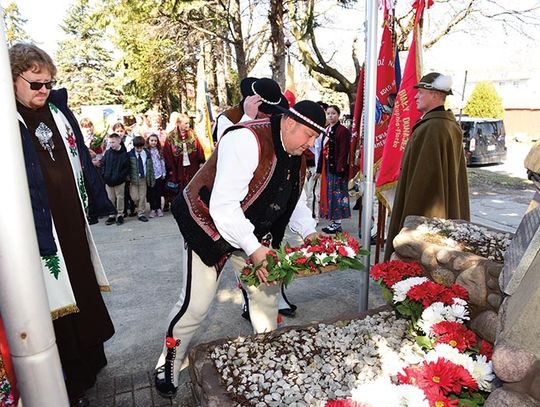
[143, 265]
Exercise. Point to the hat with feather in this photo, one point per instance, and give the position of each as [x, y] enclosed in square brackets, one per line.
[436, 81]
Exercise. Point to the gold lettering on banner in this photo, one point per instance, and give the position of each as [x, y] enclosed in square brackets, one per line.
[405, 102]
[402, 124]
[406, 132]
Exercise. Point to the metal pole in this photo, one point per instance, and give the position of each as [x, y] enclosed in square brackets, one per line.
[462, 98]
[23, 299]
[369, 140]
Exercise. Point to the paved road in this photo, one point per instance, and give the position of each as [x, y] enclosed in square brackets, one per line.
[143, 264]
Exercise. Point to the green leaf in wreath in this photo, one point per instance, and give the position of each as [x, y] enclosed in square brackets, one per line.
[468, 403]
[404, 310]
[288, 279]
[425, 342]
[356, 264]
[387, 293]
[271, 262]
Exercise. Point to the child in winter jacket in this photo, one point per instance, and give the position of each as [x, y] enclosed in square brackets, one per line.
[115, 165]
[141, 175]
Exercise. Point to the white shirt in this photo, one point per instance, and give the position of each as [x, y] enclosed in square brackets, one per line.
[223, 123]
[317, 148]
[237, 160]
[143, 158]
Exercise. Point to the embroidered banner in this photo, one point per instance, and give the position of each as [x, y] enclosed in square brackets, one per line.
[404, 116]
[386, 87]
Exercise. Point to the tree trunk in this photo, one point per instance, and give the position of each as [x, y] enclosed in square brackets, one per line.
[221, 85]
[236, 23]
[277, 39]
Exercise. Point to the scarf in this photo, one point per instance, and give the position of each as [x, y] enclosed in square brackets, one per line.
[59, 292]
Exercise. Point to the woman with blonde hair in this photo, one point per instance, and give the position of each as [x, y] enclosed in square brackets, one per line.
[183, 154]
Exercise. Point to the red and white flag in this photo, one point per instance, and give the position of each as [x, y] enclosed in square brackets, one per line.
[404, 117]
[386, 86]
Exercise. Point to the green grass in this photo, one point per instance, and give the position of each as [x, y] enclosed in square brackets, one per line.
[481, 178]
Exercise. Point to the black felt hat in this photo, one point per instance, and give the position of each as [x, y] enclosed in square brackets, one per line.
[308, 113]
[268, 90]
[245, 86]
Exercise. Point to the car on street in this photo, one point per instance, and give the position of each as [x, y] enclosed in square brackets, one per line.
[484, 140]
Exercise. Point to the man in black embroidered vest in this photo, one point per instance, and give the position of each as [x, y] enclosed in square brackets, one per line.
[250, 188]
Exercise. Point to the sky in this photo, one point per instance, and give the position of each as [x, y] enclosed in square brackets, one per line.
[491, 52]
[44, 19]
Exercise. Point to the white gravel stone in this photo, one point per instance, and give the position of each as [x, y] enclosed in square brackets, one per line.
[325, 362]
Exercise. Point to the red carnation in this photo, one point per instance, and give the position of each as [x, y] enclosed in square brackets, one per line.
[426, 293]
[342, 251]
[436, 399]
[353, 244]
[300, 261]
[440, 377]
[314, 249]
[486, 349]
[454, 334]
[393, 271]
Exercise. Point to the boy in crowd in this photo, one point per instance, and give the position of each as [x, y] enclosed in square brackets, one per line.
[141, 175]
[115, 172]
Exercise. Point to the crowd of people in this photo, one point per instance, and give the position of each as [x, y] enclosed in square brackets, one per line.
[277, 163]
[144, 165]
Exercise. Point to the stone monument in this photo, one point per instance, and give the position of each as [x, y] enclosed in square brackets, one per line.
[516, 357]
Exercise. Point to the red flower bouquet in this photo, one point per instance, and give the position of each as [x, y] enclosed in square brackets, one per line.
[324, 253]
[391, 272]
[454, 334]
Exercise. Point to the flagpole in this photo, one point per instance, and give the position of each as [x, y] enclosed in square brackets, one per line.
[23, 299]
[462, 98]
[369, 141]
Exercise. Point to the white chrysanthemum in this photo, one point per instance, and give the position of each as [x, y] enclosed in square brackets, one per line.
[483, 372]
[459, 309]
[450, 353]
[412, 396]
[438, 312]
[380, 392]
[401, 288]
[432, 315]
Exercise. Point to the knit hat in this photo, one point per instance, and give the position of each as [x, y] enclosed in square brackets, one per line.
[269, 92]
[436, 81]
[308, 113]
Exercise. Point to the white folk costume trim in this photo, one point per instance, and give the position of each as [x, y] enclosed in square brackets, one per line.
[59, 292]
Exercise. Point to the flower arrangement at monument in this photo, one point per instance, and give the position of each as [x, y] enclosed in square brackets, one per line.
[456, 369]
[321, 254]
[421, 354]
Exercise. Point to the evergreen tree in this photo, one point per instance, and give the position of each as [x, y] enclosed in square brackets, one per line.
[85, 66]
[484, 102]
[14, 24]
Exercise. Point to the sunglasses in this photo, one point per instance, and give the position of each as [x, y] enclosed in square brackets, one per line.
[39, 85]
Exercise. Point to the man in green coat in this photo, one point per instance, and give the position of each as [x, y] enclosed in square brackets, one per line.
[433, 177]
